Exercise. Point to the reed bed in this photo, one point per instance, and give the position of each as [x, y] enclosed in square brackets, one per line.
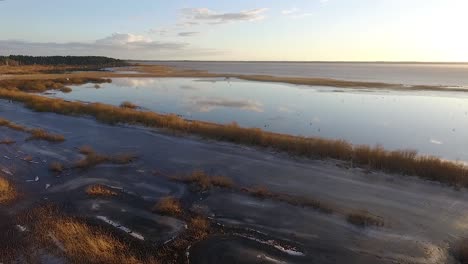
[406, 162]
[80, 242]
[8, 192]
[35, 133]
[99, 190]
[48, 84]
[92, 158]
[169, 206]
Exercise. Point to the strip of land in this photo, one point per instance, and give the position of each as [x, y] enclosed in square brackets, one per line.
[41, 72]
[400, 162]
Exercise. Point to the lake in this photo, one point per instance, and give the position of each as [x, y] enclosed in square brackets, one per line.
[434, 123]
[445, 74]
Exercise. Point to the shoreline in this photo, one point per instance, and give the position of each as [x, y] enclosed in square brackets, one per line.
[159, 71]
[406, 162]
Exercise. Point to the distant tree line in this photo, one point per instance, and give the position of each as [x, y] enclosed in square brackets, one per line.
[15, 60]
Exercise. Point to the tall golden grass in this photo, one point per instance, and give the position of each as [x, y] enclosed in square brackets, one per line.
[36, 133]
[401, 162]
[99, 190]
[37, 85]
[8, 192]
[168, 205]
[80, 242]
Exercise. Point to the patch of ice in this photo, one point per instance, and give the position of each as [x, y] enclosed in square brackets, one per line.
[121, 227]
[4, 170]
[290, 251]
[21, 228]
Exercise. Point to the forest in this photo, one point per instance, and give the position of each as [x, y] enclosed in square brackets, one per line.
[18, 60]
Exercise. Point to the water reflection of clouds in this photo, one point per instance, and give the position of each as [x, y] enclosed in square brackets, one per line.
[209, 104]
[284, 109]
[188, 87]
[134, 82]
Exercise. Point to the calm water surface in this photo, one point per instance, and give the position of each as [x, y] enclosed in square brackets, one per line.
[434, 123]
[398, 73]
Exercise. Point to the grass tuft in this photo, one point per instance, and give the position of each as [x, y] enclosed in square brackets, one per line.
[80, 242]
[199, 227]
[93, 159]
[169, 206]
[35, 133]
[56, 167]
[8, 192]
[364, 219]
[204, 181]
[7, 141]
[127, 104]
[40, 134]
[401, 162]
[99, 190]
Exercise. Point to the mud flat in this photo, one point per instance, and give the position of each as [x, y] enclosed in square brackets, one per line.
[422, 221]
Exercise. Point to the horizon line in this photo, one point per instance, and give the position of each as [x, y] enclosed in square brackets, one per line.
[294, 61]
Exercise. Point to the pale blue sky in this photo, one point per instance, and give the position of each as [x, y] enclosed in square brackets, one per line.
[364, 30]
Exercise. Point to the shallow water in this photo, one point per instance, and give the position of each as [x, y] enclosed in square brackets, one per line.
[434, 123]
[447, 74]
[422, 219]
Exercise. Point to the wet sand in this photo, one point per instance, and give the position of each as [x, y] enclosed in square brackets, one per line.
[423, 220]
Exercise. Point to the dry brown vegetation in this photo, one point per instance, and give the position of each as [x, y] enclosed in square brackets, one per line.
[40, 134]
[199, 227]
[39, 85]
[461, 251]
[364, 219]
[169, 206]
[8, 192]
[204, 181]
[7, 141]
[404, 162]
[99, 190]
[79, 242]
[93, 159]
[259, 191]
[128, 104]
[56, 167]
[35, 133]
[263, 193]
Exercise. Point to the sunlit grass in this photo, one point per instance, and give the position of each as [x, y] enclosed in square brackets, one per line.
[169, 206]
[80, 242]
[204, 181]
[401, 162]
[48, 84]
[99, 190]
[92, 158]
[35, 133]
[8, 192]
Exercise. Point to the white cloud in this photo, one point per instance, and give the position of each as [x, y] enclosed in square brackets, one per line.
[123, 39]
[205, 15]
[118, 45]
[295, 13]
[188, 34]
[290, 11]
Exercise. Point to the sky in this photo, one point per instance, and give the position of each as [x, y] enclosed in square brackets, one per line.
[273, 30]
